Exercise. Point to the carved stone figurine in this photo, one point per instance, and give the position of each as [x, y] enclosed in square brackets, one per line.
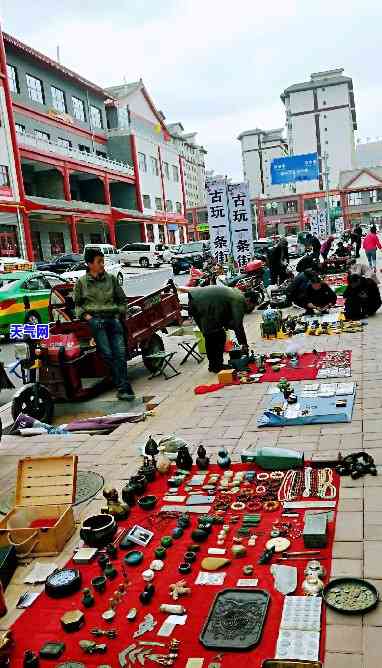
[163, 463]
[115, 507]
[179, 589]
[151, 449]
[223, 459]
[184, 459]
[202, 461]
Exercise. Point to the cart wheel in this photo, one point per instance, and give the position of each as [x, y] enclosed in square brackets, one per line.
[35, 401]
[120, 278]
[32, 318]
[154, 345]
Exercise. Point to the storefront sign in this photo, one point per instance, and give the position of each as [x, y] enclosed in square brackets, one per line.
[203, 227]
[318, 224]
[241, 224]
[294, 168]
[217, 209]
[172, 227]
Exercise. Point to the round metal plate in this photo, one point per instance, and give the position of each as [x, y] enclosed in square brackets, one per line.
[338, 595]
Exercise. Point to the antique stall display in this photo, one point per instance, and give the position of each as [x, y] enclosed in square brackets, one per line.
[321, 403]
[42, 520]
[210, 562]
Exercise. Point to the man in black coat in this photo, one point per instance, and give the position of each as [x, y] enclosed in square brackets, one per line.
[278, 259]
[362, 297]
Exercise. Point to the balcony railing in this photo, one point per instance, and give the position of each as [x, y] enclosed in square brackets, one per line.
[29, 140]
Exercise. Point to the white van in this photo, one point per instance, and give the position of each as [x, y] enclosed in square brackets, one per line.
[142, 253]
[111, 254]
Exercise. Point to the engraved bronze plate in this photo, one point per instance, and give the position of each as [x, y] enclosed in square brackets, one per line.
[351, 596]
[235, 620]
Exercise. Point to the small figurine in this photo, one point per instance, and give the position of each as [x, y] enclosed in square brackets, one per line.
[30, 659]
[179, 589]
[87, 598]
[115, 507]
[184, 459]
[163, 463]
[151, 450]
[223, 459]
[202, 461]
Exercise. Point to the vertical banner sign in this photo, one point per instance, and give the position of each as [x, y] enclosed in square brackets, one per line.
[318, 224]
[241, 223]
[217, 208]
[340, 225]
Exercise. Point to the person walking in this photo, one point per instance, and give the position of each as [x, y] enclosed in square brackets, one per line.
[101, 302]
[356, 238]
[216, 309]
[370, 244]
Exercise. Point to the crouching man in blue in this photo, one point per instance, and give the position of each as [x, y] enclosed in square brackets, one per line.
[101, 302]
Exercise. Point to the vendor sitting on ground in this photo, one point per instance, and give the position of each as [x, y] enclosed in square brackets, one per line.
[308, 261]
[319, 297]
[341, 250]
[216, 309]
[298, 287]
[101, 302]
[362, 297]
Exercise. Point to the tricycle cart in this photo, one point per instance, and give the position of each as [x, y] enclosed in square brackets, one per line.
[67, 365]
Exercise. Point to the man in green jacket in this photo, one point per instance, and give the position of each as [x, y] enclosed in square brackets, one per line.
[101, 302]
[216, 309]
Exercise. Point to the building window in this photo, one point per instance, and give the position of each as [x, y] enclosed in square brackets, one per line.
[96, 117]
[57, 244]
[20, 128]
[66, 143]
[4, 176]
[175, 173]
[146, 202]
[84, 148]
[323, 101]
[142, 164]
[13, 79]
[162, 237]
[178, 207]
[150, 232]
[35, 89]
[101, 154]
[58, 99]
[323, 90]
[154, 165]
[158, 204]
[39, 134]
[78, 109]
[166, 169]
[169, 205]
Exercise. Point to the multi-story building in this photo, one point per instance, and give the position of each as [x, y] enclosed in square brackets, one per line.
[369, 153]
[193, 156]
[88, 170]
[321, 117]
[258, 149]
[160, 172]
[361, 195]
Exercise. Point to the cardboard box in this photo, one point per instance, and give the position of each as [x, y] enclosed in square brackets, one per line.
[225, 377]
[42, 520]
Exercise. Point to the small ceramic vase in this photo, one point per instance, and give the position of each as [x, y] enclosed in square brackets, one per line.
[312, 586]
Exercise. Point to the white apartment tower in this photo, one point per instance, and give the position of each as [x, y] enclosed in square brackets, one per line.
[193, 164]
[258, 149]
[321, 117]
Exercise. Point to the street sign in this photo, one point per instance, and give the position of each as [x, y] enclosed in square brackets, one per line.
[218, 223]
[241, 224]
[294, 168]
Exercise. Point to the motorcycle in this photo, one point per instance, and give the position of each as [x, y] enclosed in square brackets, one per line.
[251, 280]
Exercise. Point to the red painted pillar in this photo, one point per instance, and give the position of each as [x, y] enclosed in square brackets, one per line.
[73, 235]
[344, 207]
[27, 236]
[301, 211]
[66, 174]
[134, 155]
[106, 190]
[260, 219]
[111, 226]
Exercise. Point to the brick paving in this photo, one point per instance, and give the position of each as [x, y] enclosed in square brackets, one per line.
[228, 418]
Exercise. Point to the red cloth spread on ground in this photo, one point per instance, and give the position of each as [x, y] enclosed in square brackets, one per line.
[41, 622]
[307, 369]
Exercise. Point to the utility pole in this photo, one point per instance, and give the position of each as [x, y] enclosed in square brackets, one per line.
[325, 174]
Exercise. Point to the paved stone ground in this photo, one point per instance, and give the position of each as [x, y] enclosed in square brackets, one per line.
[229, 418]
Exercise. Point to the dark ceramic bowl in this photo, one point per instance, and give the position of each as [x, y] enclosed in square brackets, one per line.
[133, 558]
[147, 502]
[98, 530]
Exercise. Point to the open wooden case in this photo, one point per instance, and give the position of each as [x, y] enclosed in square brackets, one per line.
[42, 520]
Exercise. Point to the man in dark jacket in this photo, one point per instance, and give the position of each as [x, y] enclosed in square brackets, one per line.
[216, 309]
[101, 302]
[356, 238]
[362, 297]
[308, 261]
[315, 244]
[319, 296]
[298, 288]
[278, 259]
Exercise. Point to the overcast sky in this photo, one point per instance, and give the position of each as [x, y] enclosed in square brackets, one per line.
[217, 66]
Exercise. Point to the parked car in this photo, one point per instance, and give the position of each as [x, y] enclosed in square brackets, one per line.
[108, 250]
[24, 297]
[169, 251]
[142, 253]
[112, 266]
[60, 263]
[261, 248]
[190, 255]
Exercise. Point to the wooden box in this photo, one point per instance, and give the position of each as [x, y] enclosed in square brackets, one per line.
[225, 377]
[42, 520]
